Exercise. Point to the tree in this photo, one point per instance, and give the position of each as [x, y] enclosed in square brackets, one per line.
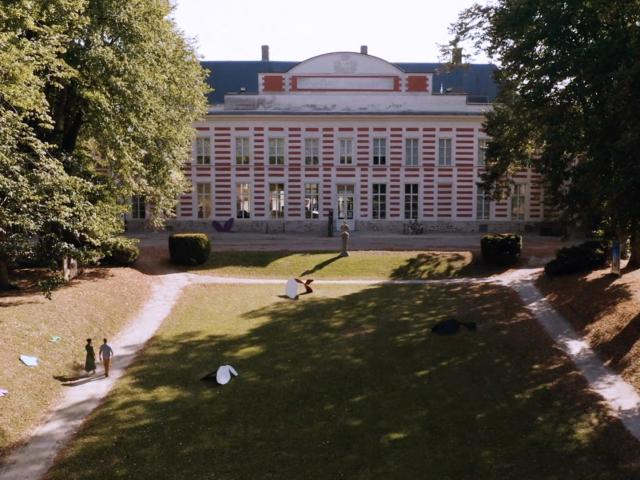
[97, 101]
[569, 78]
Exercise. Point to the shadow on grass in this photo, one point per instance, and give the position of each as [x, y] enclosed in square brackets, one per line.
[26, 279]
[586, 301]
[320, 266]
[356, 387]
[430, 265]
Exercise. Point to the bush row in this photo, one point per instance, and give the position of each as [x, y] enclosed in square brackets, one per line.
[189, 248]
[120, 252]
[501, 249]
[579, 258]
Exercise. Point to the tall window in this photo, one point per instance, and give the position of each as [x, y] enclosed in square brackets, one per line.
[379, 151]
[379, 201]
[138, 207]
[411, 201]
[517, 202]
[444, 152]
[243, 150]
[203, 151]
[276, 200]
[345, 201]
[203, 191]
[411, 154]
[483, 204]
[276, 151]
[311, 203]
[482, 151]
[346, 151]
[311, 151]
[243, 200]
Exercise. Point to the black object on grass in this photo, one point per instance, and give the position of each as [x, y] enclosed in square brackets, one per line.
[209, 377]
[452, 326]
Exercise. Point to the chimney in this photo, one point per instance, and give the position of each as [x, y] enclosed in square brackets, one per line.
[265, 53]
[364, 50]
[456, 56]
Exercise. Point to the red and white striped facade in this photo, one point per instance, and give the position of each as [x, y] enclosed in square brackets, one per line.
[344, 99]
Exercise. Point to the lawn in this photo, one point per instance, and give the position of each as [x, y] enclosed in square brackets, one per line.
[349, 383]
[359, 264]
[95, 305]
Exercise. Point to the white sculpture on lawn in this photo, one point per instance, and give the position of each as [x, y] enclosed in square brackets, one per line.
[291, 289]
[223, 375]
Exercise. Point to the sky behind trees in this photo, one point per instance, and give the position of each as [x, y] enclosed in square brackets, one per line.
[399, 31]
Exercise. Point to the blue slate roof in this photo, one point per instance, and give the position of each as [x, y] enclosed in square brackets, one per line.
[475, 80]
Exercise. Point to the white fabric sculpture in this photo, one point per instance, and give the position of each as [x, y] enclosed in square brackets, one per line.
[292, 289]
[29, 361]
[223, 375]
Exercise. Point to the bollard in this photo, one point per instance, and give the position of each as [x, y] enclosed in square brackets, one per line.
[330, 224]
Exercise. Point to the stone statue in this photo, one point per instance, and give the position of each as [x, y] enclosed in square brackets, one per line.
[344, 236]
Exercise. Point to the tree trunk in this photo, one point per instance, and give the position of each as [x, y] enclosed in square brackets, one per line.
[69, 268]
[5, 284]
[634, 259]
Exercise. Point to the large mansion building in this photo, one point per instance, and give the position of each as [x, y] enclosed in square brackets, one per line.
[376, 144]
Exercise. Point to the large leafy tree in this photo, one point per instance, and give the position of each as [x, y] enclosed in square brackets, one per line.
[570, 77]
[97, 100]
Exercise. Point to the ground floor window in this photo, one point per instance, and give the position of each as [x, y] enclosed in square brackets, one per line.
[243, 200]
[411, 201]
[379, 209]
[203, 191]
[138, 207]
[276, 200]
[483, 204]
[311, 202]
[517, 202]
[345, 201]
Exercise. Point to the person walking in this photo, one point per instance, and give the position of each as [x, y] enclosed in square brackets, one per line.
[106, 354]
[90, 360]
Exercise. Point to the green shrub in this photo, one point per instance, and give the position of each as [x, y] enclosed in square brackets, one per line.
[189, 248]
[579, 258]
[120, 252]
[501, 249]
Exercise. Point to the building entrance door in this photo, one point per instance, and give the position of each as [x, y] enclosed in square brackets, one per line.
[345, 200]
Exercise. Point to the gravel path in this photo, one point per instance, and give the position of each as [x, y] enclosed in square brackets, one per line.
[33, 460]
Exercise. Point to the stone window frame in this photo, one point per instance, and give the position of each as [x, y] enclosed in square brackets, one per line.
[379, 159]
[202, 154]
[340, 151]
[240, 197]
[418, 152]
[204, 209]
[246, 157]
[442, 162]
[316, 139]
[277, 156]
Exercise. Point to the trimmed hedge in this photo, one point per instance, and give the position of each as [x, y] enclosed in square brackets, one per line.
[579, 258]
[189, 248]
[120, 252]
[501, 249]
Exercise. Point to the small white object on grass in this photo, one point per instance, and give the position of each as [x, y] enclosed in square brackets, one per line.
[29, 361]
[223, 375]
[3, 392]
[292, 288]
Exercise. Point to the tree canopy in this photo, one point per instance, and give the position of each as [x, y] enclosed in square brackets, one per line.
[569, 76]
[97, 101]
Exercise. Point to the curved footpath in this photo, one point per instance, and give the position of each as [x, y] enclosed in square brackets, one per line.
[35, 458]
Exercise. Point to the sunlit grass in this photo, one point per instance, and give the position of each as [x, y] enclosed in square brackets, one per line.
[350, 383]
[96, 305]
[359, 264]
